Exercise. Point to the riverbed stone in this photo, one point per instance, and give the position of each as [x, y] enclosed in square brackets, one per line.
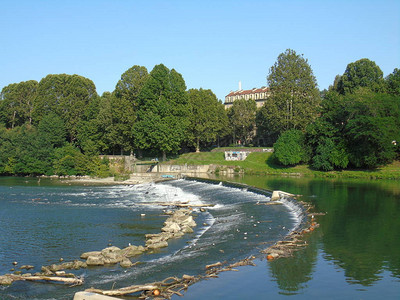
[132, 251]
[187, 229]
[171, 227]
[90, 253]
[161, 244]
[95, 261]
[5, 280]
[126, 263]
[27, 267]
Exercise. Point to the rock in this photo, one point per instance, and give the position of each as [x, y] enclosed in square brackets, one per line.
[161, 244]
[112, 255]
[46, 271]
[26, 275]
[132, 251]
[126, 263]
[77, 264]
[187, 229]
[171, 227]
[91, 253]
[18, 272]
[5, 280]
[27, 267]
[95, 261]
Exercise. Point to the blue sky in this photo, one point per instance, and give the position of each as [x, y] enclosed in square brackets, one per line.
[213, 44]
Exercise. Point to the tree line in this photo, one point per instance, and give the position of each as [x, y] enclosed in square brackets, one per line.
[60, 124]
[353, 124]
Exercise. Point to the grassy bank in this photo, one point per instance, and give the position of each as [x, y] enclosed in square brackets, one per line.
[263, 163]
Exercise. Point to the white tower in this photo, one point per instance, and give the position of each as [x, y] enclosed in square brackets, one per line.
[240, 85]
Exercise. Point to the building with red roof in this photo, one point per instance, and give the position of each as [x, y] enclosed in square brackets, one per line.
[260, 95]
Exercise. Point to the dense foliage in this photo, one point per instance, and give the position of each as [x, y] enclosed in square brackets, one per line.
[289, 148]
[60, 125]
[242, 116]
[294, 98]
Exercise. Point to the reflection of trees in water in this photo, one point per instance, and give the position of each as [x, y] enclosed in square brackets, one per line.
[361, 230]
[292, 273]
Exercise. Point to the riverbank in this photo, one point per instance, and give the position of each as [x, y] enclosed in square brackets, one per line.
[262, 163]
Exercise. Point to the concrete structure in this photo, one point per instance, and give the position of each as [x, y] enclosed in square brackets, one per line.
[260, 95]
[236, 155]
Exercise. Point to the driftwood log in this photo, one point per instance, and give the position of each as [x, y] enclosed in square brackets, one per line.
[72, 281]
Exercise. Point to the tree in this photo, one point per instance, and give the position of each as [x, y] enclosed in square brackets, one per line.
[290, 148]
[205, 117]
[359, 129]
[18, 102]
[162, 115]
[242, 116]
[52, 131]
[362, 73]
[329, 155]
[68, 96]
[294, 98]
[131, 83]
[393, 82]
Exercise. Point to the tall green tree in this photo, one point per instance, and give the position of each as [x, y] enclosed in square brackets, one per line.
[294, 98]
[393, 82]
[68, 96]
[242, 117]
[162, 115]
[358, 129]
[205, 117]
[362, 73]
[131, 83]
[17, 102]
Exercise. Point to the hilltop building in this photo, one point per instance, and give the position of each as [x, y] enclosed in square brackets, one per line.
[260, 95]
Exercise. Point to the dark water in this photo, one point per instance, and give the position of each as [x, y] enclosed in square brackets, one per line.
[40, 222]
[354, 254]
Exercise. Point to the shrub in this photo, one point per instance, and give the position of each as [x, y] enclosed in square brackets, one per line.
[290, 148]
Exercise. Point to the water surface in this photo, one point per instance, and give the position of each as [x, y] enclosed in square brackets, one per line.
[42, 221]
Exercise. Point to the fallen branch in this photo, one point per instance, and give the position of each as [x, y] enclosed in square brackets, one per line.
[73, 281]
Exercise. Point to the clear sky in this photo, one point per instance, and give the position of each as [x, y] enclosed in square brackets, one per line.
[213, 44]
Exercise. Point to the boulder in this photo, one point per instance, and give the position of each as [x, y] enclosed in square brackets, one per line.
[187, 229]
[77, 264]
[27, 267]
[95, 261]
[132, 251]
[5, 280]
[91, 253]
[126, 263]
[46, 271]
[161, 244]
[171, 227]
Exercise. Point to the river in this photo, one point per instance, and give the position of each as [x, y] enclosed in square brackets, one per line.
[354, 254]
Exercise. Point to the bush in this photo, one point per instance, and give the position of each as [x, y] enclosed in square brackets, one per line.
[329, 156]
[290, 148]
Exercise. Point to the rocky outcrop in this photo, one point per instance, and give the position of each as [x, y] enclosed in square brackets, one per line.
[179, 223]
[112, 255]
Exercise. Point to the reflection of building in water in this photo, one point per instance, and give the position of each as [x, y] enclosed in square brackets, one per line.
[259, 95]
[236, 155]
